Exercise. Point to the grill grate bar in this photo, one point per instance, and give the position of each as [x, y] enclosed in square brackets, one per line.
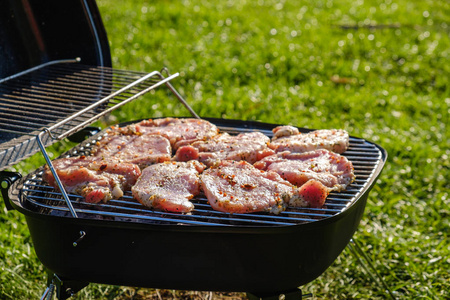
[202, 211]
[365, 157]
[37, 102]
[48, 94]
[139, 213]
[292, 212]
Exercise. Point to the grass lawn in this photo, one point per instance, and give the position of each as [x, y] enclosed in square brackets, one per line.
[379, 69]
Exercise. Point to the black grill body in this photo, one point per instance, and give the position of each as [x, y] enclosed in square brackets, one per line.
[220, 256]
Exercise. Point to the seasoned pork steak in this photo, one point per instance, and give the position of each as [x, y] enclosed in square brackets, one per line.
[238, 187]
[169, 186]
[288, 138]
[250, 147]
[140, 149]
[178, 131]
[331, 169]
[96, 179]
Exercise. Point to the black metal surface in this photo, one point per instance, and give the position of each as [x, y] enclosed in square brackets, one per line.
[33, 32]
[231, 258]
[220, 253]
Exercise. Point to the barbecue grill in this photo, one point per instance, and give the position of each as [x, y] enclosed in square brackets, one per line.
[51, 90]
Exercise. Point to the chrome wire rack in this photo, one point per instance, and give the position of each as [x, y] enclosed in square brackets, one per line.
[60, 98]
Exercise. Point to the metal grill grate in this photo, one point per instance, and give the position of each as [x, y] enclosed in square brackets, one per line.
[365, 157]
[63, 97]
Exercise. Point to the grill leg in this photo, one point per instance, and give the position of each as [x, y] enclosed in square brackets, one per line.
[64, 288]
[286, 295]
[366, 263]
[49, 292]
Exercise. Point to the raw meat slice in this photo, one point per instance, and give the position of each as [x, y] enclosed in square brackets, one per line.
[140, 149]
[333, 170]
[312, 194]
[238, 187]
[286, 138]
[251, 147]
[94, 178]
[169, 186]
[178, 131]
[285, 130]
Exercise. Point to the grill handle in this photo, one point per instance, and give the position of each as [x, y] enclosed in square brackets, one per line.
[7, 178]
[55, 174]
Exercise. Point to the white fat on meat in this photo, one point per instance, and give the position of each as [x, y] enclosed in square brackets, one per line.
[238, 187]
[94, 178]
[287, 138]
[169, 186]
[334, 171]
[250, 146]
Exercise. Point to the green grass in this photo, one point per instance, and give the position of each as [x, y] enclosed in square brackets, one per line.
[379, 69]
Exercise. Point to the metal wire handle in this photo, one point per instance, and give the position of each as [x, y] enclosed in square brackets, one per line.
[55, 174]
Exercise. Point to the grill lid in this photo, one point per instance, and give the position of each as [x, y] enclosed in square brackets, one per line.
[34, 32]
[367, 158]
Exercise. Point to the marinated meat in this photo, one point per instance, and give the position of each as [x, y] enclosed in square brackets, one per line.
[169, 186]
[285, 130]
[96, 179]
[286, 138]
[140, 149]
[178, 131]
[333, 170]
[312, 194]
[238, 187]
[250, 147]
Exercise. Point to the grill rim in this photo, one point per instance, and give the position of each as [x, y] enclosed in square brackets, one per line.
[17, 198]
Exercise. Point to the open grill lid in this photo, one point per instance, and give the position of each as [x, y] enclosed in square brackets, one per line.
[34, 32]
[35, 93]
